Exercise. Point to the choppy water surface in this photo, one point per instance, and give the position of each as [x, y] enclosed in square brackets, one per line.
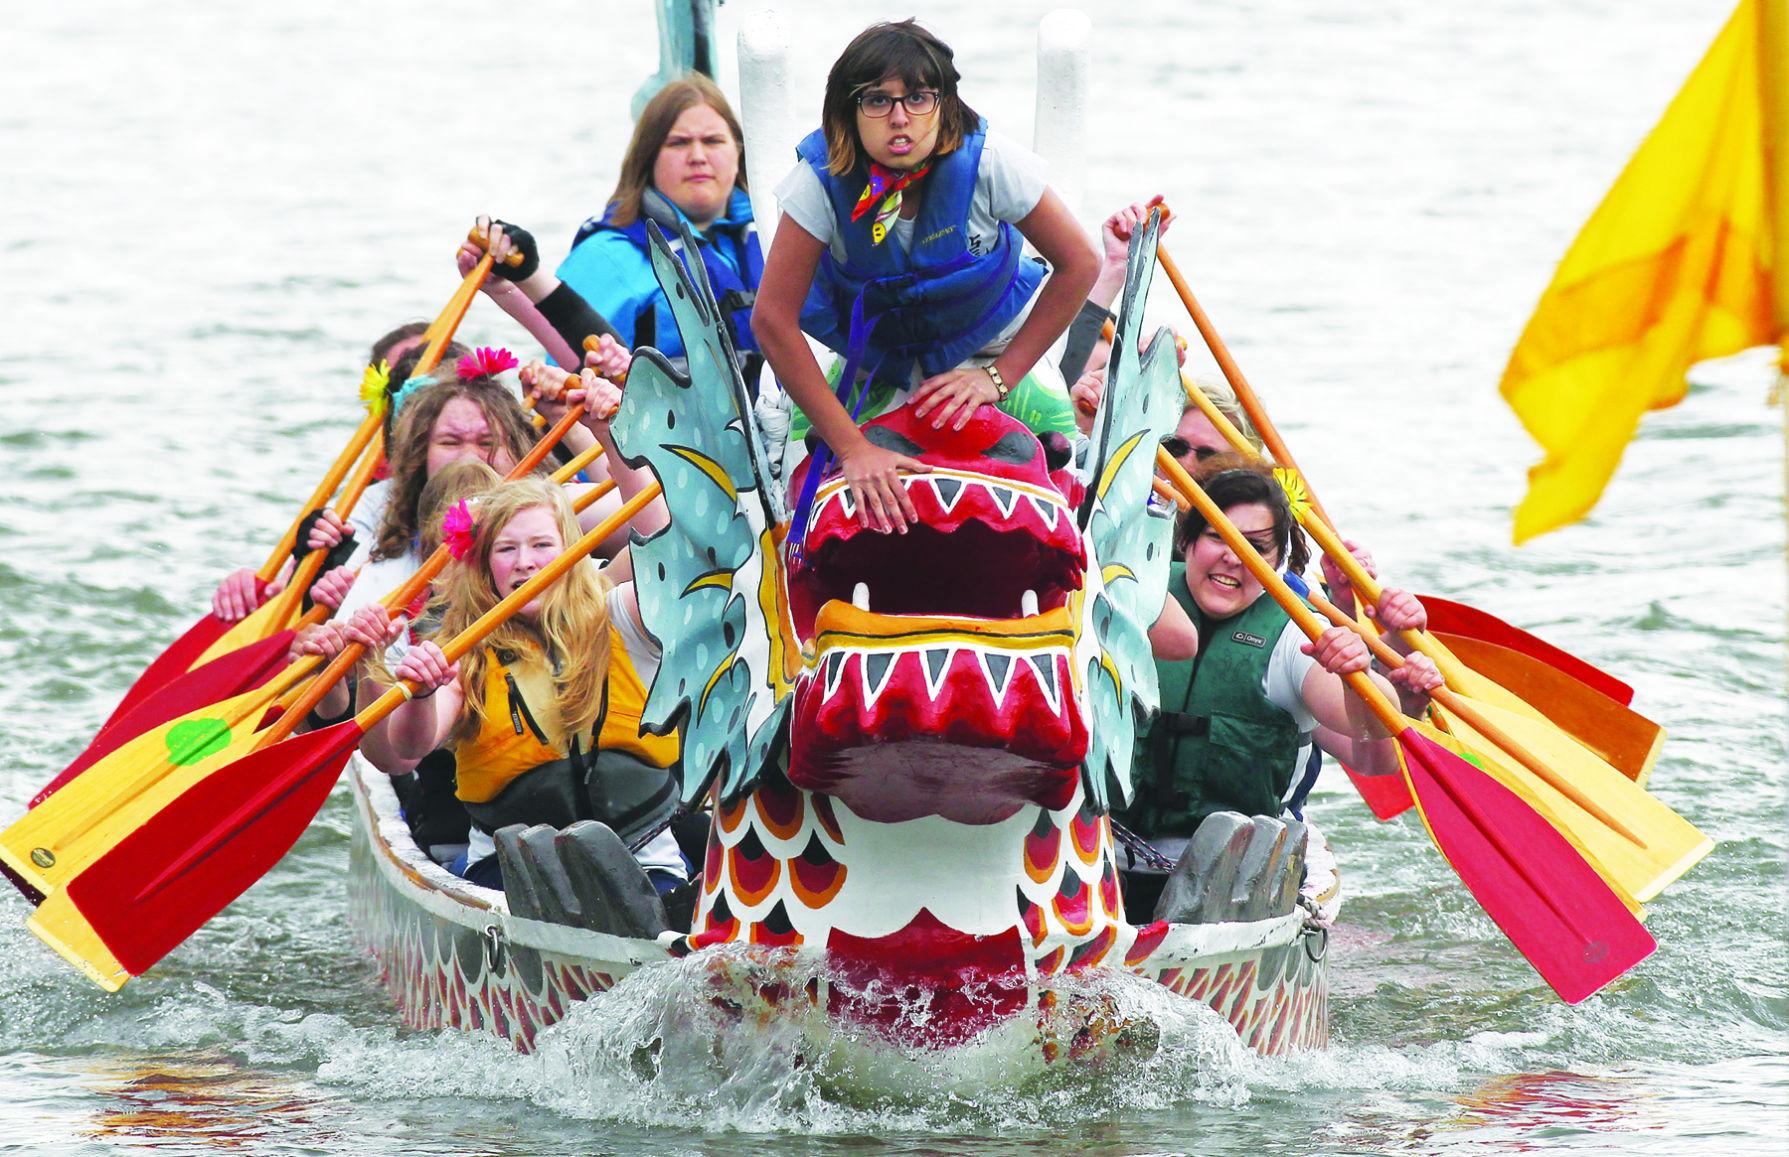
[209, 210]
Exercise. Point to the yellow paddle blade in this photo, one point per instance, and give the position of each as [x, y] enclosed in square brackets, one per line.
[1628, 741]
[59, 923]
[57, 839]
[1657, 845]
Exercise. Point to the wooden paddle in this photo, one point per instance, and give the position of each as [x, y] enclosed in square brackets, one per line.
[1627, 740]
[198, 644]
[72, 828]
[1447, 617]
[82, 821]
[1554, 907]
[1635, 842]
[194, 693]
[220, 821]
[1270, 436]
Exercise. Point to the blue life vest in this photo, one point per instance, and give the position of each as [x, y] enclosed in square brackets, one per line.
[729, 251]
[934, 306]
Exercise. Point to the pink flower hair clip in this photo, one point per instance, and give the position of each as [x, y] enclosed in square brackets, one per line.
[458, 531]
[486, 362]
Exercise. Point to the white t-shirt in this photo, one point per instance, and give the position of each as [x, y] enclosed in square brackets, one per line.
[368, 514]
[1008, 185]
[1284, 682]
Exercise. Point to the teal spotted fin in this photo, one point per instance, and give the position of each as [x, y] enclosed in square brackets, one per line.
[702, 580]
[1128, 540]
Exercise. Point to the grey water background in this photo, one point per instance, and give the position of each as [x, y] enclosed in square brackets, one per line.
[207, 211]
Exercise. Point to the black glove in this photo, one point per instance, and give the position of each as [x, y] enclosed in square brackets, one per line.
[525, 245]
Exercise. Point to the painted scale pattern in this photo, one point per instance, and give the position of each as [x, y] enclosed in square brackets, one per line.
[778, 862]
[443, 974]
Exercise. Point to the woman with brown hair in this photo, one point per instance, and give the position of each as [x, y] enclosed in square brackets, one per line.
[685, 165]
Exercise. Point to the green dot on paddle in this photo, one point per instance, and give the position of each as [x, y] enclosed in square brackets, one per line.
[1473, 760]
[191, 740]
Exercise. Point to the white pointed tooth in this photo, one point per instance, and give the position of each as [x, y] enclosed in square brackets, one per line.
[860, 596]
[1028, 604]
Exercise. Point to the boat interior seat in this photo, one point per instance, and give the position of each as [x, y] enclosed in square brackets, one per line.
[1236, 868]
[583, 876]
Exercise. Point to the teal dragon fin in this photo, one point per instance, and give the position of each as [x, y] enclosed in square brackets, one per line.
[710, 584]
[1129, 541]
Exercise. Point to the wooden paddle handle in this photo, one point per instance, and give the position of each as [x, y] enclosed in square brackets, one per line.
[1383, 709]
[369, 426]
[1251, 403]
[482, 239]
[469, 638]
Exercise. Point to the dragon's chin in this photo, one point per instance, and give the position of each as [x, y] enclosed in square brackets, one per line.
[903, 716]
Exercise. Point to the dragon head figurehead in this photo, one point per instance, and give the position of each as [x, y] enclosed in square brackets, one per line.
[941, 678]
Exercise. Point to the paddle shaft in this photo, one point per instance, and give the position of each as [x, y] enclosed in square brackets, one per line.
[469, 638]
[405, 594]
[332, 478]
[1251, 404]
[1327, 540]
[1476, 719]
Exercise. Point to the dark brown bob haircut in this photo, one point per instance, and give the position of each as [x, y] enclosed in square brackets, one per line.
[902, 49]
[1230, 481]
[650, 131]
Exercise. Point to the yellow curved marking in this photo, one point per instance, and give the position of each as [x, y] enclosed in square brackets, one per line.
[1117, 462]
[708, 688]
[773, 603]
[709, 467]
[1117, 570]
[1111, 669]
[719, 579]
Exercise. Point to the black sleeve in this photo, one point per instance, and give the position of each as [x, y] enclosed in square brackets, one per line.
[1083, 334]
[572, 318]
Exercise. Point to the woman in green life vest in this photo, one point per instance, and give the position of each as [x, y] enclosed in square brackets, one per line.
[1236, 720]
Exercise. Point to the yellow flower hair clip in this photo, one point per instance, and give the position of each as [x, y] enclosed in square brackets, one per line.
[372, 388]
[1297, 496]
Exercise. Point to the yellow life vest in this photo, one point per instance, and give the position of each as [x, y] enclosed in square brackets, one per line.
[523, 729]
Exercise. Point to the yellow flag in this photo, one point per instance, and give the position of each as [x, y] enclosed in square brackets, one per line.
[1674, 266]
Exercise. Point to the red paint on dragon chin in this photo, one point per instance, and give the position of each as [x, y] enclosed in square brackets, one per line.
[927, 984]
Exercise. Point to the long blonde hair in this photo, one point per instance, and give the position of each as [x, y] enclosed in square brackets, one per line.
[572, 626]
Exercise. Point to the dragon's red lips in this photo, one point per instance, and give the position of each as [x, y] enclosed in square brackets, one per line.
[904, 716]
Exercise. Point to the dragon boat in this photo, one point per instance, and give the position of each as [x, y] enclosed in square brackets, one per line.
[909, 746]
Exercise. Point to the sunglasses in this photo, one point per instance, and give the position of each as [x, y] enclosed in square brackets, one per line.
[1178, 447]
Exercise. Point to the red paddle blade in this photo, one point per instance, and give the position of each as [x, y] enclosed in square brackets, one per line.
[177, 660]
[223, 678]
[1552, 905]
[186, 863]
[1459, 619]
[1387, 796]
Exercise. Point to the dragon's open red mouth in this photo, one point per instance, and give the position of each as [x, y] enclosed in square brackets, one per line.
[942, 679]
[979, 546]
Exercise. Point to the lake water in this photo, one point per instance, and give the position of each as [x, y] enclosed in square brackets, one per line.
[208, 210]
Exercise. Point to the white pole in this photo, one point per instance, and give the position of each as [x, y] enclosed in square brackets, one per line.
[1062, 94]
[767, 111]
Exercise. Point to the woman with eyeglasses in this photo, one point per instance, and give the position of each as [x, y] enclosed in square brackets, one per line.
[901, 248]
[1237, 719]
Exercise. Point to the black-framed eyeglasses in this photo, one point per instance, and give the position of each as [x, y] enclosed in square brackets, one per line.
[877, 105]
[1178, 447]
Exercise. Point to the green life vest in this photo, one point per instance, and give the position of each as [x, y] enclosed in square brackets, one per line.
[1217, 744]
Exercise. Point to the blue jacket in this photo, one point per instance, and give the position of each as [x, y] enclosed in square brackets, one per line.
[936, 305]
[610, 267]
